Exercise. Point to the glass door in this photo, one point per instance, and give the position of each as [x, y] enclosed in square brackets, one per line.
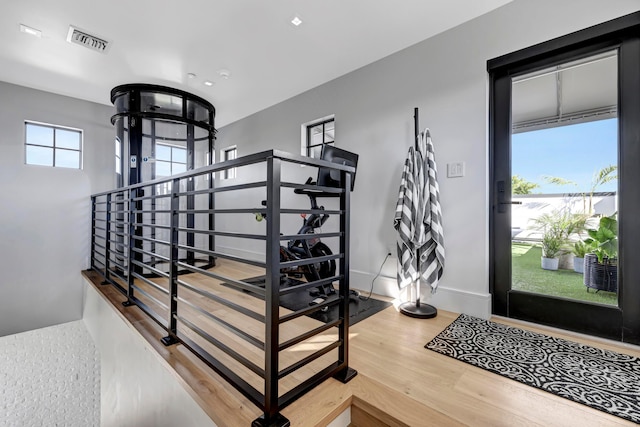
[565, 142]
[564, 180]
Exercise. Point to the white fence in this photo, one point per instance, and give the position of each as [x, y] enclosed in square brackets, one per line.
[534, 205]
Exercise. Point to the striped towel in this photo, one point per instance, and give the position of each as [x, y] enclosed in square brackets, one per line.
[418, 218]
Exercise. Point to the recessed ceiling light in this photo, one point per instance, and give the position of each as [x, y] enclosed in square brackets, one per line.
[296, 21]
[30, 31]
[224, 73]
[208, 83]
[191, 75]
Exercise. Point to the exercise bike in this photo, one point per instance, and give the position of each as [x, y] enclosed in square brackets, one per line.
[305, 248]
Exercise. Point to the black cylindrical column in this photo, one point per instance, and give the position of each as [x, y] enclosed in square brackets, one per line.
[160, 132]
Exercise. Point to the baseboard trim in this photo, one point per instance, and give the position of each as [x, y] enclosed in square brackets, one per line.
[241, 253]
[445, 298]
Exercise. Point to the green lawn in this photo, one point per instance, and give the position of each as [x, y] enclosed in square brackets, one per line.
[527, 275]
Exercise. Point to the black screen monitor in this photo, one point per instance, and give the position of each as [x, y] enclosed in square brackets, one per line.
[331, 177]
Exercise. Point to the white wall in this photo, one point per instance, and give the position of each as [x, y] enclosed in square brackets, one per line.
[45, 212]
[137, 387]
[445, 77]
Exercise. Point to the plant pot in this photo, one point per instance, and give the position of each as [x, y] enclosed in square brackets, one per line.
[578, 265]
[566, 261]
[549, 263]
[600, 276]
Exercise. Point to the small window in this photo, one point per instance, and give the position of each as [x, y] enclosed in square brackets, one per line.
[119, 164]
[55, 146]
[317, 134]
[118, 157]
[170, 160]
[229, 153]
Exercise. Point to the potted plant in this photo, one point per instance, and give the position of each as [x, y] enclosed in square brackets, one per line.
[580, 249]
[551, 249]
[557, 227]
[601, 264]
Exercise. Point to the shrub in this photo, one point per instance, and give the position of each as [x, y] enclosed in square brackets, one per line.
[604, 240]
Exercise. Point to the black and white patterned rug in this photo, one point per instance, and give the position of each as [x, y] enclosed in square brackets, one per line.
[601, 379]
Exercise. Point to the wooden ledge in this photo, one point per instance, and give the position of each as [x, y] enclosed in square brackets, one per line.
[373, 404]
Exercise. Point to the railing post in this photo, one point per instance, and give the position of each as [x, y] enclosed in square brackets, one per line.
[173, 266]
[271, 416]
[132, 241]
[93, 232]
[107, 242]
[346, 373]
[212, 200]
[119, 227]
[191, 199]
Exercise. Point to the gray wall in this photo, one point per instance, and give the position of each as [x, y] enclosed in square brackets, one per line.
[45, 212]
[445, 77]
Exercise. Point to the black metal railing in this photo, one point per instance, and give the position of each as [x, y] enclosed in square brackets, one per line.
[180, 249]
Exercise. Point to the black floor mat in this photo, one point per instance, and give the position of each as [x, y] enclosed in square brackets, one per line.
[359, 309]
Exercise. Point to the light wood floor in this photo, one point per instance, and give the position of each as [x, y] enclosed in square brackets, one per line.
[399, 382]
[191, 308]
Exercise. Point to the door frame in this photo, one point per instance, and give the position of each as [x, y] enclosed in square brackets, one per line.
[620, 323]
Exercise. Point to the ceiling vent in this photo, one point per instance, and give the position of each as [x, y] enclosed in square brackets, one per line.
[83, 38]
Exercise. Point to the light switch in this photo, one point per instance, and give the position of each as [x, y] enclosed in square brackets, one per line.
[455, 170]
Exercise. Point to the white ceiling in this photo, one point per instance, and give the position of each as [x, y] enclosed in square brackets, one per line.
[161, 41]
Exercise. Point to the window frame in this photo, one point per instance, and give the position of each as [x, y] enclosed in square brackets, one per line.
[171, 161]
[306, 141]
[53, 146]
[118, 154]
[230, 173]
